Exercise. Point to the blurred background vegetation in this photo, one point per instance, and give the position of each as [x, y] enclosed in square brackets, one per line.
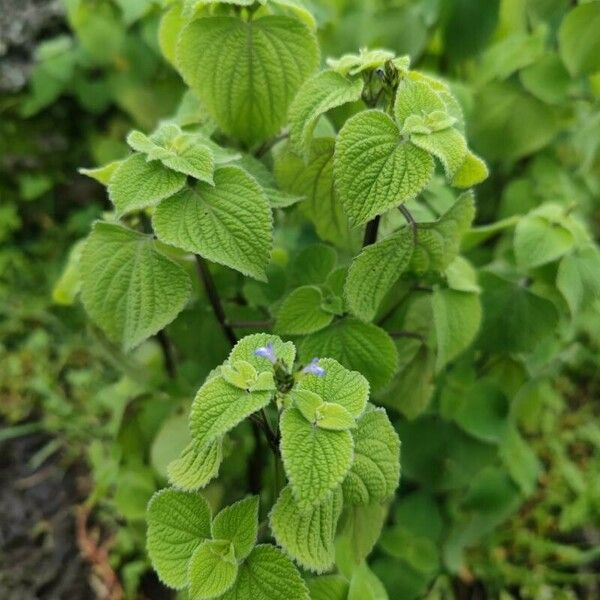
[86, 432]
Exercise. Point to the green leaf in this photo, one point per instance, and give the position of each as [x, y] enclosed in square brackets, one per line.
[319, 94]
[457, 317]
[238, 524]
[316, 460]
[182, 152]
[172, 438]
[339, 385]
[438, 243]
[137, 184]
[484, 412]
[301, 312]
[328, 587]
[307, 536]
[520, 461]
[314, 264]
[247, 72]
[365, 585]
[129, 288]
[539, 240]
[578, 278]
[358, 532]
[448, 146]
[218, 407]
[307, 403]
[375, 169]
[374, 271]
[67, 287]
[363, 347]
[213, 570]
[495, 131]
[267, 574]
[420, 552]
[578, 39]
[102, 174]
[472, 171]
[514, 319]
[375, 472]
[246, 348]
[313, 179]
[196, 466]
[416, 97]
[334, 417]
[229, 223]
[178, 522]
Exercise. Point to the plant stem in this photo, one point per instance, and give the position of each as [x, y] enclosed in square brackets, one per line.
[214, 299]
[410, 220]
[168, 350]
[266, 146]
[371, 231]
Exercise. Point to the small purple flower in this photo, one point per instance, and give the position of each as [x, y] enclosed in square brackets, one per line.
[266, 352]
[314, 368]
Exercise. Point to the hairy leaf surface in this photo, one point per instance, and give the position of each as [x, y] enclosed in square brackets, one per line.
[238, 524]
[229, 223]
[375, 169]
[129, 288]
[315, 460]
[178, 522]
[307, 536]
[196, 466]
[247, 73]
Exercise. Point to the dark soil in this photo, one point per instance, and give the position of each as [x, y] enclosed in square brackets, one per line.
[39, 557]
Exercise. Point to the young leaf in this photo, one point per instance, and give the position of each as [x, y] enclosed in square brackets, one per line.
[313, 179]
[137, 184]
[102, 174]
[334, 417]
[238, 524]
[416, 97]
[315, 460]
[375, 169]
[319, 94]
[307, 536]
[448, 146]
[363, 347]
[472, 171]
[375, 472]
[457, 317]
[218, 407]
[374, 271]
[307, 403]
[213, 570]
[178, 522]
[129, 288]
[196, 466]
[246, 350]
[247, 72]
[339, 385]
[301, 312]
[267, 574]
[229, 223]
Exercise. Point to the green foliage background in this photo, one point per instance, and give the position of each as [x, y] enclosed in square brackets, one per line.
[489, 372]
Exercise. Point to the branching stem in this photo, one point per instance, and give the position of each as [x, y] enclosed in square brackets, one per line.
[214, 299]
